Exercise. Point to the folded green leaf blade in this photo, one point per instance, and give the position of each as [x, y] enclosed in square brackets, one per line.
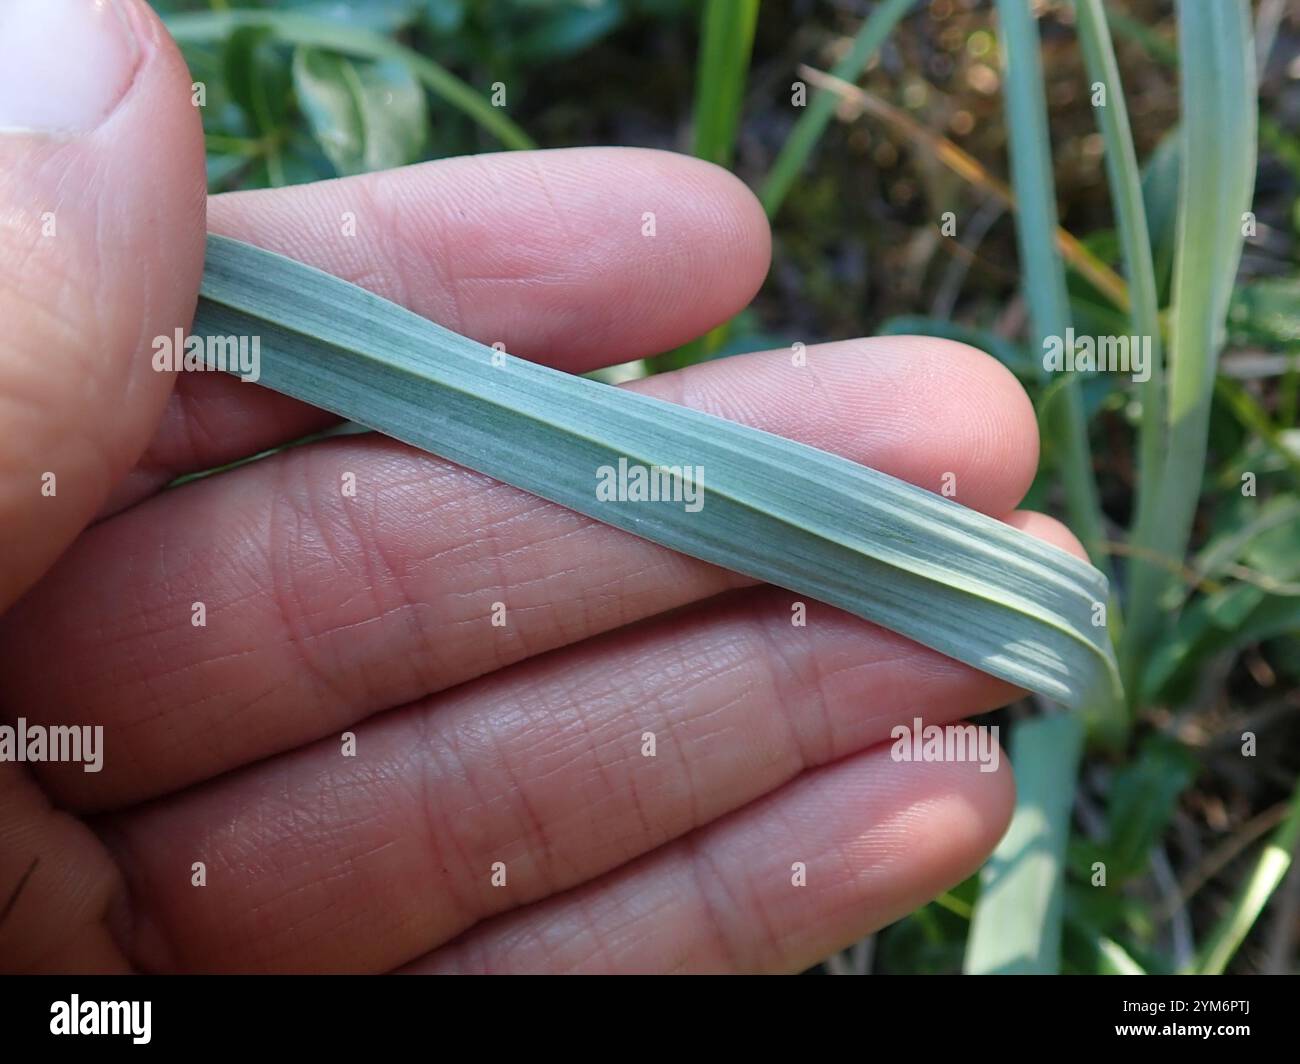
[779, 511]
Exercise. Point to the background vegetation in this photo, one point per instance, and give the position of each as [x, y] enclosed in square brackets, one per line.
[979, 108]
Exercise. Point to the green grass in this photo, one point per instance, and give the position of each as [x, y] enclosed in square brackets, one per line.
[1016, 926]
[1264, 879]
[726, 39]
[1218, 131]
[1125, 182]
[1042, 270]
[721, 74]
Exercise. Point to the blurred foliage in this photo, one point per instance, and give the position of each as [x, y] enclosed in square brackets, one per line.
[1177, 816]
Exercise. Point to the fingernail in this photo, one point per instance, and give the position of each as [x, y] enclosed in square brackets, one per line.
[64, 64]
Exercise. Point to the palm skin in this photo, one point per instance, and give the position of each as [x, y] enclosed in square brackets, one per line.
[372, 774]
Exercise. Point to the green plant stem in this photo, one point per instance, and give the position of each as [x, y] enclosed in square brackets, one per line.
[298, 29]
[1016, 927]
[1125, 178]
[1218, 131]
[1041, 266]
[726, 41]
[1043, 277]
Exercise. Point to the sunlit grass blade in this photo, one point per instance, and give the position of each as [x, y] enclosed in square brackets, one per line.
[726, 40]
[781, 512]
[821, 107]
[1018, 918]
[1267, 875]
[1125, 179]
[1114, 959]
[298, 29]
[1042, 273]
[1016, 927]
[1218, 144]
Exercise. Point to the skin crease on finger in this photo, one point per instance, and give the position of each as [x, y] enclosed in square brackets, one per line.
[771, 743]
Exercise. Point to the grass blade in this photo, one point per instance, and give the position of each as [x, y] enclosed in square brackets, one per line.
[1218, 134]
[781, 512]
[1125, 178]
[726, 40]
[821, 108]
[1040, 266]
[1114, 959]
[1016, 927]
[298, 29]
[1268, 874]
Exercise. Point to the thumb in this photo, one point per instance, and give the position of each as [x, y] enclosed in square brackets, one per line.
[102, 199]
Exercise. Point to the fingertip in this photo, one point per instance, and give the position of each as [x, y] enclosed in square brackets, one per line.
[740, 221]
[697, 254]
[995, 802]
[954, 813]
[964, 386]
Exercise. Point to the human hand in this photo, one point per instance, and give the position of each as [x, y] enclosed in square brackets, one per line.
[476, 749]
